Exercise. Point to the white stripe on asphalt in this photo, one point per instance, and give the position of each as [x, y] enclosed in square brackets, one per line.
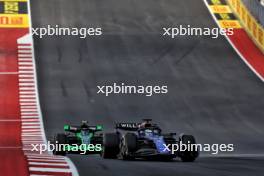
[35, 111]
[25, 68]
[30, 135]
[27, 143]
[23, 72]
[24, 46]
[26, 139]
[25, 55]
[44, 157]
[33, 127]
[26, 76]
[24, 52]
[27, 92]
[46, 160]
[28, 81]
[30, 120]
[48, 164]
[27, 104]
[31, 132]
[28, 107]
[27, 149]
[27, 96]
[28, 100]
[37, 141]
[20, 60]
[26, 88]
[26, 84]
[29, 110]
[29, 117]
[31, 138]
[49, 169]
[26, 63]
[29, 113]
[21, 80]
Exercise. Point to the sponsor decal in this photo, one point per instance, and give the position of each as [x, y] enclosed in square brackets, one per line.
[220, 9]
[223, 14]
[229, 24]
[253, 28]
[216, 2]
[127, 125]
[14, 21]
[13, 14]
[13, 7]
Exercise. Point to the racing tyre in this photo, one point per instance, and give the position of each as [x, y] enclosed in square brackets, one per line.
[188, 156]
[110, 147]
[61, 139]
[128, 146]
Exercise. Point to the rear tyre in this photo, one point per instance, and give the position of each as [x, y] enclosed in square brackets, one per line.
[61, 139]
[188, 156]
[128, 146]
[110, 147]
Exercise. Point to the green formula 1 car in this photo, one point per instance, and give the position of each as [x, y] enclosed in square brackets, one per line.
[83, 139]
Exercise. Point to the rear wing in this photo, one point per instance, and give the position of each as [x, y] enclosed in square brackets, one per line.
[128, 126]
[75, 129]
[96, 128]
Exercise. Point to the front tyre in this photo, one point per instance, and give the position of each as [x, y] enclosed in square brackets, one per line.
[61, 139]
[128, 146]
[188, 156]
[110, 147]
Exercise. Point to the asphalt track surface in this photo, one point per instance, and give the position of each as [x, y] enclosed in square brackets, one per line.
[212, 93]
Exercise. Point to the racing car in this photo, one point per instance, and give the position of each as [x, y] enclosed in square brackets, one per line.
[82, 139]
[145, 140]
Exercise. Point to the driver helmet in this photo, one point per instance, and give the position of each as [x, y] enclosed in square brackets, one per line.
[148, 132]
[84, 124]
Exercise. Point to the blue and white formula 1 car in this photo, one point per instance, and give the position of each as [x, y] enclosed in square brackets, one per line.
[145, 140]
